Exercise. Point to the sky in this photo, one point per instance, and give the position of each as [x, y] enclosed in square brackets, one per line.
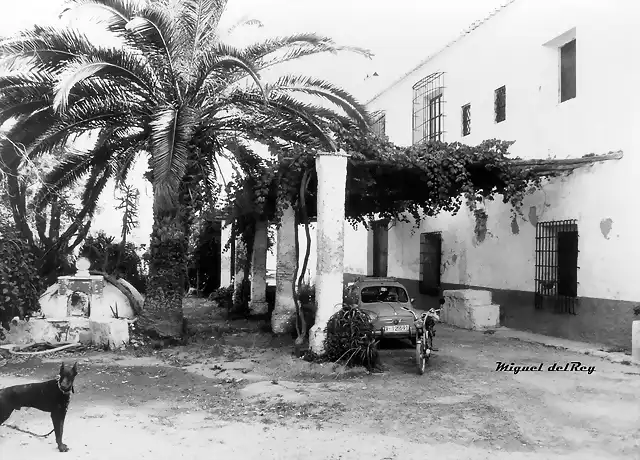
[400, 34]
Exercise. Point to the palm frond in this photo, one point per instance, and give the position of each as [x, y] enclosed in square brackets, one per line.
[321, 88]
[244, 22]
[198, 21]
[49, 47]
[218, 62]
[171, 131]
[121, 66]
[119, 11]
[265, 53]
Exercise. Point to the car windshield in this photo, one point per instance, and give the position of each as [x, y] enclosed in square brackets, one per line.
[371, 294]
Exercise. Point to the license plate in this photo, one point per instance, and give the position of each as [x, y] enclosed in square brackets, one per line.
[402, 328]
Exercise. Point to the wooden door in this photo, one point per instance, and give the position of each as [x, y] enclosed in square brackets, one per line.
[430, 260]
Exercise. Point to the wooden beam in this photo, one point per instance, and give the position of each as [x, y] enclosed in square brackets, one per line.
[571, 161]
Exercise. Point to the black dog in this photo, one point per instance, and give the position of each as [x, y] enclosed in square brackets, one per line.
[52, 396]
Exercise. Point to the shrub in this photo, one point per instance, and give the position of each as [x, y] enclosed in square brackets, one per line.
[307, 293]
[224, 296]
[350, 338]
[20, 284]
[107, 255]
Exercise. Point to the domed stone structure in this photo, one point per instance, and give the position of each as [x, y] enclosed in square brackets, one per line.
[85, 307]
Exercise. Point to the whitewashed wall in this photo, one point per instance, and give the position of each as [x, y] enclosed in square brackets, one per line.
[510, 50]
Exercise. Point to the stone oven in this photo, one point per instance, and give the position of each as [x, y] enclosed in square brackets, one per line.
[81, 308]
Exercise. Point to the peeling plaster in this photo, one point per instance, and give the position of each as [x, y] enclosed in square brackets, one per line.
[454, 258]
[605, 227]
[515, 229]
[533, 216]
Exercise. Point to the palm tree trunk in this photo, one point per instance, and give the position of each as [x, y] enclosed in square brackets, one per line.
[162, 317]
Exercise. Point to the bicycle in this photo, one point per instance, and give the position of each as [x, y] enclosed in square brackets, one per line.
[424, 335]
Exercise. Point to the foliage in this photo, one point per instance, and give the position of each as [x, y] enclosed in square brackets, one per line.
[224, 296]
[20, 284]
[205, 253]
[350, 338]
[52, 232]
[307, 293]
[241, 298]
[128, 201]
[108, 256]
[163, 84]
[393, 182]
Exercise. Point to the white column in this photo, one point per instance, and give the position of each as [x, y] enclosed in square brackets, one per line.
[331, 169]
[284, 314]
[635, 341]
[225, 259]
[258, 303]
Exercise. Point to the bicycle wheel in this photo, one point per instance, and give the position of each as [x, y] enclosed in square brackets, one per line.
[421, 357]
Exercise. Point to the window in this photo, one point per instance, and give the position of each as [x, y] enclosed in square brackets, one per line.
[428, 104]
[373, 294]
[379, 123]
[500, 104]
[466, 120]
[380, 247]
[568, 71]
[556, 276]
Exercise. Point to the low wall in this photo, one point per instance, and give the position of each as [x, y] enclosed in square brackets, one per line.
[110, 333]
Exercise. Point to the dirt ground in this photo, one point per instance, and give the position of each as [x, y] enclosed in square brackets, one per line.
[239, 391]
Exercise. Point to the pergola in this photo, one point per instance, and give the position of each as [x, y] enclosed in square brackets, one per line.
[343, 189]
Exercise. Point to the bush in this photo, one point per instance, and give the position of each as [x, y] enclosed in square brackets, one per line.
[106, 255]
[307, 293]
[350, 338]
[224, 296]
[20, 285]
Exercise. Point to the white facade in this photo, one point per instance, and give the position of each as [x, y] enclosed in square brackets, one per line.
[519, 48]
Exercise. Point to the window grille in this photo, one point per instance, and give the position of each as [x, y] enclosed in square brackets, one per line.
[568, 71]
[379, 123]
[556, 277]
[466, 120]
[500, 104]
[428, 105]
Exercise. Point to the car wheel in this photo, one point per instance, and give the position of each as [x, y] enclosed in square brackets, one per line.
[413, 340]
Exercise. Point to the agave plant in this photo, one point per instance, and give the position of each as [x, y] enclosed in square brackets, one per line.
[164, 85]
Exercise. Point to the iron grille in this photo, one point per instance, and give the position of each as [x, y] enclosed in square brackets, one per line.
[466, 120]
[556, 276]
[428, 104]
[379, 123]
[500, 104]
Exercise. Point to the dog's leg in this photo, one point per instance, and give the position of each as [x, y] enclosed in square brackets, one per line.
[5, 412]
[57, 417]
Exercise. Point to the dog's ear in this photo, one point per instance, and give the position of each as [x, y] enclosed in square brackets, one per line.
[62, 367]
[75, 368]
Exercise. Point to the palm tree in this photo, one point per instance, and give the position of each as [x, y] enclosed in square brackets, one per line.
[166, 85]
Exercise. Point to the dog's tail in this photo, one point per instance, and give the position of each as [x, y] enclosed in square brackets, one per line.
[29, 432]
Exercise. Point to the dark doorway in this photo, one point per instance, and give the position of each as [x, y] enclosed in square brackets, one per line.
[430, 260]
[568, 263]
[380, 247]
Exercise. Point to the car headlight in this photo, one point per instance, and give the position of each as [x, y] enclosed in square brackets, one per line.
[372, 316]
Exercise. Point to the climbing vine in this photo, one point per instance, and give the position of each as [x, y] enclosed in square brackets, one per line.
[383, 181]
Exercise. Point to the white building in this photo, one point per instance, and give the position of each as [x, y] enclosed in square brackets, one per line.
[562, 79]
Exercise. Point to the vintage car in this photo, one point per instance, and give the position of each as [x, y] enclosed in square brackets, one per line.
[382, 299]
